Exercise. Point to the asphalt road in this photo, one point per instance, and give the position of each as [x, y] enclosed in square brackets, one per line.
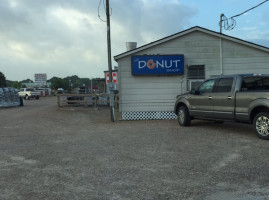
[48, 152]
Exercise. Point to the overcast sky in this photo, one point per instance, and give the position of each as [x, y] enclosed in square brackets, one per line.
[65, 37]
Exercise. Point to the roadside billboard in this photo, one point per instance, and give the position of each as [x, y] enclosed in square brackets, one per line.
[40, 79]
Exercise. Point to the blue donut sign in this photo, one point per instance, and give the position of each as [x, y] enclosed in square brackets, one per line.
[158, 65]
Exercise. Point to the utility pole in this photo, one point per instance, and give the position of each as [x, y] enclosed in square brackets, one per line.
[111, 88]
[220, 22]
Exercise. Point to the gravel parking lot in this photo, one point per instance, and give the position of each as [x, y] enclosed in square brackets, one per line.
[48, 152]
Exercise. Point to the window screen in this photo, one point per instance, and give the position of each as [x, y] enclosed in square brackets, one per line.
[196, 72]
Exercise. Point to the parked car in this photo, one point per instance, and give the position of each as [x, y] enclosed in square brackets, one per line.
[28, 93]
[238, 98]
[60, 91]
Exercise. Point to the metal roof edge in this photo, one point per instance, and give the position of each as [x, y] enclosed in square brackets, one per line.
[187, 31]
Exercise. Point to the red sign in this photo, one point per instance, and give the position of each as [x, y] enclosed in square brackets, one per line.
[114, 77]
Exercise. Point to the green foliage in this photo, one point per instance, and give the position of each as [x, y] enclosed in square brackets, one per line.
[59, 83]
[16, 84]
[3, 82]
[27, 81]
[65, 83]
[68, 82]
[81, 82]
[72, 80]
[9, 83]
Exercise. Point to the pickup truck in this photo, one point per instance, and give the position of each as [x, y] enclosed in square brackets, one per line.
[28, 93]
[238, 98]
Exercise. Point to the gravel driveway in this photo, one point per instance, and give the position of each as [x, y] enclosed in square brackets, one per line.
[48, 152]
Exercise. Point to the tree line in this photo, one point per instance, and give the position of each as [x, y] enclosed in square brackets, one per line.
[3, 81]
[56, 82]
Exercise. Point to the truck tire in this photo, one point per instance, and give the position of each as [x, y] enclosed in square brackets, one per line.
[37, 97]
[261, 125]
[26, 97]
[183, 115]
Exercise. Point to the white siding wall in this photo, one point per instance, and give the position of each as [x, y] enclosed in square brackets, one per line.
[238, 58]
[146, 93]
[158, 93]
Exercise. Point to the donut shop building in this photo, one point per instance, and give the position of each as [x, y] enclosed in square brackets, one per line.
[151, 76]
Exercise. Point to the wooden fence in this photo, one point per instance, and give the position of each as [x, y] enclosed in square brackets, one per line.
[93, 100]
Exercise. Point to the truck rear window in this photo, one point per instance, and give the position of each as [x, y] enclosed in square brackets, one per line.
[255, 83]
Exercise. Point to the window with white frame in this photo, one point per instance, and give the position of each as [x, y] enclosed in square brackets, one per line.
[195, 76]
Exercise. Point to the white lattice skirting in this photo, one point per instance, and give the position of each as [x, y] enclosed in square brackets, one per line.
[147, 115]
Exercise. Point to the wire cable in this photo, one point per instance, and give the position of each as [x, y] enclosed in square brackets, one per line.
[104, 5]
[230, 23]
[249, 9]
[99, 10]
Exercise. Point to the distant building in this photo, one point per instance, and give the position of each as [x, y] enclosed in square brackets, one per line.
[28, 85]
[34, 85]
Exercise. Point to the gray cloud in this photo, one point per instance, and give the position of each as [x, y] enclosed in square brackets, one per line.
[147, 21]
[253, 29]
[261, 34]
[65, 37]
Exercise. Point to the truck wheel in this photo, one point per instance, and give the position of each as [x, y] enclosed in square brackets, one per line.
[184, 118]
[26, 97]
[37, 97]
[261, 125]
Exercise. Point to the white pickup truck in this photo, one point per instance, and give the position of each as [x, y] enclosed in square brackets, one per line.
[28, 93]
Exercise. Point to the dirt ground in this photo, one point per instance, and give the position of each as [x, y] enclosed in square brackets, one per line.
[48, 152]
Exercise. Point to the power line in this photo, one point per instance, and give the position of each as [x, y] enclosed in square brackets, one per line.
[99, 9]
[230, 23]
[250, 9]
[99, 5]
